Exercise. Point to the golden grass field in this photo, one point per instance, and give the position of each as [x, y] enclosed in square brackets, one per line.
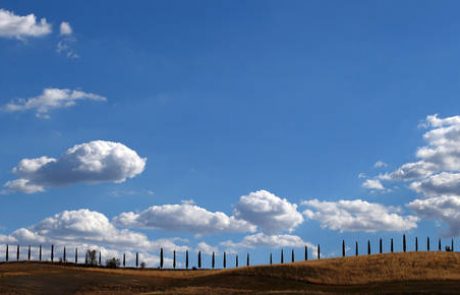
[422, 273]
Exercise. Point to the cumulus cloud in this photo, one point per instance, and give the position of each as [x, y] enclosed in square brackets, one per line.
[184, 217]
[443, 208]
[91, 162]
[21, 27]
[205, 248]
[88, 229]
[373, 184]
[269, 212]
[264, 240]
[435, 174]
[51, 99]
[65, 29]
[357, 215]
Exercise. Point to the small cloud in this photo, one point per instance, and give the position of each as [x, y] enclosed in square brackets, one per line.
[50, 99]
[373, 184]
[362, 175]
[65, 29]
[21, 27]
[380, 164]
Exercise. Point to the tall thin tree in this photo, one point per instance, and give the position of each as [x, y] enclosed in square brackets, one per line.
[428, 243]
[392, 248]
[380, 246]
[319, 251]
[404, 243]
[64, 258]
[282, 256]
[306, 253]
[17, 253]
[343, 248]
[137, 259]
[452, 245]
[199, 259]
[7, 253]
[124, 259]
[76, 255]
[439, 245]
[224, 262]
[271, 258]
[356, 248]
[236, 261]
[213, 260]
[174, 259]
[161, 258]
[52, 253]
[416, 244]
[29, 253]
[292, 256]
[40, 253]
[248, 262]
[368, 247]
[186, 259]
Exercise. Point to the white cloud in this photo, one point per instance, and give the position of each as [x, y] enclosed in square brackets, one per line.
[207, 249]
[91, 162]
[443, 208]
[65, 29]
[269, 212]
[264, 240]
[380, 164]
[373, 184]
[50, 99]
[357, 215]
[184, 217]
[20, 27]
[88, 229]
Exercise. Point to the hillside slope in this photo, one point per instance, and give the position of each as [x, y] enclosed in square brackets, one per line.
[434, 272]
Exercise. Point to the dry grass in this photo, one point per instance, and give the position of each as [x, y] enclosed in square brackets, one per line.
[437, 272]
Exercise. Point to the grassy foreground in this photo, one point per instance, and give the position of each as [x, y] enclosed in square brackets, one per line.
[422, 272]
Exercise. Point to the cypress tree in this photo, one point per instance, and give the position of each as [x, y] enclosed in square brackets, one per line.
[213, 260]
[452, 245]
[306, 253]
[186, 259]
[439, 245]
[319, 251]
[100, 258]
[380, 246]
[52, 253]
[40, 253]
[76, 255]
[368, 247]
[292, 256]
[137, 259]
[247, 260]
[29, 253]
[225, 260]
[356, 248]
[282, 256]
[404, 242]
[161, 258]
[199, 259]
[236, 261]
[17, 253]
[392, 248]
[428, 243]
[7, 253]
[416, 244]
[124, 259]
[174, 259]
[64, 258]
[271, 258]
[343, 248]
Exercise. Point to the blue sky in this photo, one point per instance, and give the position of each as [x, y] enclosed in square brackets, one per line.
[225, 98]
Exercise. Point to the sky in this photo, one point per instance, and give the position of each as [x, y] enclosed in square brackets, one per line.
[236, 126]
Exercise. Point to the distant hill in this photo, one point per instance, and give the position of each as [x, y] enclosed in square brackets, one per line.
[422, 272]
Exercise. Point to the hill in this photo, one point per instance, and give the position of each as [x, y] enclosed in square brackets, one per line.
[422, 272]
